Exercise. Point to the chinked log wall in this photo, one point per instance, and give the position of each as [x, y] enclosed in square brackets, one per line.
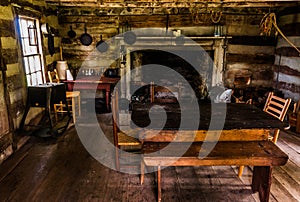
[12, 75]
[249, 53]
[287, 59]
[256, 56]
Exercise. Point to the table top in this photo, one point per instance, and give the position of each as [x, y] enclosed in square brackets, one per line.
[94, 79]
[238, 116]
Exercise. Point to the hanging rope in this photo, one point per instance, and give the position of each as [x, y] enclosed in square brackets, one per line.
[266, 24]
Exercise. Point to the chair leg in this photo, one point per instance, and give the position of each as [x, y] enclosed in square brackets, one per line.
[73, 109]
[159, 184]
[241, 169]
[276, 134]
[117, 159]
[142, 171]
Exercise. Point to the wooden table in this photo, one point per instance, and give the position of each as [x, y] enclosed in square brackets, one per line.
[94, 83]
[243, 141]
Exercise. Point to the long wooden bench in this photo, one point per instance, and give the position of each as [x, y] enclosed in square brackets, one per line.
[263, 155]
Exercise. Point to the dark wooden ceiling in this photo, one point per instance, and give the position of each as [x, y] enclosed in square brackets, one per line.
[125, 7]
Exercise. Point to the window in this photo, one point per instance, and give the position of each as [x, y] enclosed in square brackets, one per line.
[30, 37]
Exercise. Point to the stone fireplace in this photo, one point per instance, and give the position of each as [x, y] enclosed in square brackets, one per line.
[209, 63]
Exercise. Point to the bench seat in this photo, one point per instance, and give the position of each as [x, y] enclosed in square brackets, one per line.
[260, 154]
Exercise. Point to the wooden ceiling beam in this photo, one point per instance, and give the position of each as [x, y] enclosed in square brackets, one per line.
[172, 3]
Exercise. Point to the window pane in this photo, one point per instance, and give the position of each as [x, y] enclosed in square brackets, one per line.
[38, 63]
[34, 79]
[23, 28]
[27, 71]
[28, 80]
[39, 77]
[31, 64]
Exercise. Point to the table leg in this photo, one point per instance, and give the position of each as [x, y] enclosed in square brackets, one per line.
[79, 105]
[142, 171]
[261, 181]
[107, 99]
[158, 184]
[73, 109]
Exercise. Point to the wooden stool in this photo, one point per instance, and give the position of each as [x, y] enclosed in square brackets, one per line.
[71, 96]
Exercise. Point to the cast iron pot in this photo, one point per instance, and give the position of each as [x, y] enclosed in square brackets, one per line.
[85, 38]
[102, 46]
[71, 33]
[111, 72]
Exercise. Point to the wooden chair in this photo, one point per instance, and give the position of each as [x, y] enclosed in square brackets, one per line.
[294, 117]
[72, 97]
[161, 94]
[278, 108]
[122, 140]
[53, 76]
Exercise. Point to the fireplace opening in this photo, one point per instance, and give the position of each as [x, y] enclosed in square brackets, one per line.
[196, 68]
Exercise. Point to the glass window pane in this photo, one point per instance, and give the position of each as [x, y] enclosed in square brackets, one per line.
[31, 64]
[37, 62]
[23, 28]
[27, 71]
[34, 79]
[39, 77]
[26, 47]
[28, 77]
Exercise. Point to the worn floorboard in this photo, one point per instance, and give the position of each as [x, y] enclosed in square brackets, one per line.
[62, 170]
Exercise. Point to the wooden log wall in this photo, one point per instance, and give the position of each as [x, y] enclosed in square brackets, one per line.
[108, 24]
[12, 73]
[287, 59]
[12, 83]
[249, 53]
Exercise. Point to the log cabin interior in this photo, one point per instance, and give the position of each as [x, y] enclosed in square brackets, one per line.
[72, 68]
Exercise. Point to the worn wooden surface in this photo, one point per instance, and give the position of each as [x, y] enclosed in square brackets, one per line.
[260, 154]
[238, 116]
[62, 170]
[256, 153]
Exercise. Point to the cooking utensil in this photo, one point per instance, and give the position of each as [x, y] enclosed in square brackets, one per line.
[71, 33]
[130, 37]
[102, 46]
[85, 38]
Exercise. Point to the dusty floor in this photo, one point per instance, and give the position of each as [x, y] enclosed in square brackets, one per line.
[48, 169]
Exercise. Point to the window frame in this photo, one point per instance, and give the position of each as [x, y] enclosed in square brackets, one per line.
[32, 56]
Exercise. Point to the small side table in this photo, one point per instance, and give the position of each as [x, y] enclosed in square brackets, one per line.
[43, 96]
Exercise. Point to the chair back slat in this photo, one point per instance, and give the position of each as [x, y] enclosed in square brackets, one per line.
[171, 93]
[277, 106]
[53, 76]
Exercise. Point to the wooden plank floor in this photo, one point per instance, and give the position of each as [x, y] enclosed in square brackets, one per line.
[62, 170]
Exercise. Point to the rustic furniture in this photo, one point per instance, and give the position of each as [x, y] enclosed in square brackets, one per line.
[93, 83]
[122, 140]
[243, 140]
[277, 107]
[162, 94]
[71, 96]
[294, 117]
[43, 96]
